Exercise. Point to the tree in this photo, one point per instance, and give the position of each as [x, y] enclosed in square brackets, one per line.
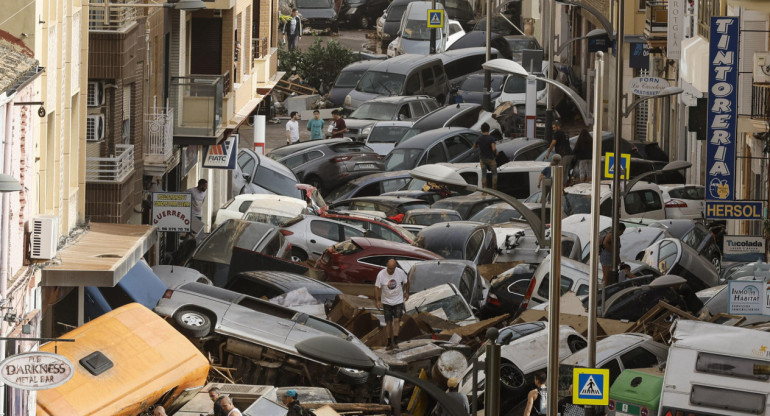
[319, 65]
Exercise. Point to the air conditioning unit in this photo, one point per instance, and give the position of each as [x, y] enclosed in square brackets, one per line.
[95, 128]
[762, 67]
[44, 242]
[95, 94]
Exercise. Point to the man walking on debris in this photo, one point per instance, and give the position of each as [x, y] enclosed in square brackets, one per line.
[292, 30]
[391, 290]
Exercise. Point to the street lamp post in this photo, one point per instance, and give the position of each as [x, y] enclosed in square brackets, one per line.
[342, 353]
[595, 33]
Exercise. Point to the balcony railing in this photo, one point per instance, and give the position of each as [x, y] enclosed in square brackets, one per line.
[760, 109]
[111, 169]
[656, 18]
[197, 102]
[259, 48]
[112, 18]
[159, 135]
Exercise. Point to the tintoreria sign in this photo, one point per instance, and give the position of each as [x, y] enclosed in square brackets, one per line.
[37, 370]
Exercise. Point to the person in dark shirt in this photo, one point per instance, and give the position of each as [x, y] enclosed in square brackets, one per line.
[560, 142]
[339, 125]
[584, 149]
[291, 401]
[216, 396]
[487, 155]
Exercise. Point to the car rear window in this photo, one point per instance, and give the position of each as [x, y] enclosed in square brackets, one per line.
[688, 192]
[352, 148]
[544, 289]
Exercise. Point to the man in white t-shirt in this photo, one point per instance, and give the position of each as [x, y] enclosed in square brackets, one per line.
[198, 196]
[390, 291]
[292, 129]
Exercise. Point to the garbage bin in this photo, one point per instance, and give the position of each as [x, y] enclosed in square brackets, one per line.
[636, 393]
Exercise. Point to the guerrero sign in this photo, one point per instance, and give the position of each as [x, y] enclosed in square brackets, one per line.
[36, 370]
[172, 211]
[722, 109]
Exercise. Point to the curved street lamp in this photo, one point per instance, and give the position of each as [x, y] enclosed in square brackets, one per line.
[595, 33]
[184, 5]
[666, 92]
[670, 167]
[608, 28]
[342, 353]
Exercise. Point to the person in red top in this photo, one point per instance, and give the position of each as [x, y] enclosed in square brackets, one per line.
[339, 125]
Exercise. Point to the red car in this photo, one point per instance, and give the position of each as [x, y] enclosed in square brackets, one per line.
[359, 259]
[379, 227]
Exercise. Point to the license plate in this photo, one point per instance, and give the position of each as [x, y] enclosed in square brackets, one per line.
[624, 409]
[366, 166]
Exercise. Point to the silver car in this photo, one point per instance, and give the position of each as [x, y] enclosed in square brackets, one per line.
[310, 235]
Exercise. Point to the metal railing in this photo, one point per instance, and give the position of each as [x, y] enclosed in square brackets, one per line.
[159, 135]
[760, 109]
[111, 18]
[197, 103]
[259, 48]
[111, 169]
[227, 80]
[656, 18]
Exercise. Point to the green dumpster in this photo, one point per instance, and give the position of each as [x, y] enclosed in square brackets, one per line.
[636, 393]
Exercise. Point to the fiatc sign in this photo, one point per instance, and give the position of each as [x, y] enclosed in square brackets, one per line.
[36, 370]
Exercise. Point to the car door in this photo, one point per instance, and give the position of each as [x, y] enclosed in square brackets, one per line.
[247, 164]
[435, 154]
[459, 149]
[322, 234]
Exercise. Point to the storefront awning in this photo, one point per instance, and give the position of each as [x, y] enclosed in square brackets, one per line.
[101, 256]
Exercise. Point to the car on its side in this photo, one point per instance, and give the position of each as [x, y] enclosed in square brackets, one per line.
[695, 235]
[684, 201]
[446, 144]
[445, 300]
[467, 115]
[390, 21]
[463, 274]
[503, 212]
[328, 164]
[347, 80]
[673, 256]
[359, 260]
[309, 235]
[506, 291]
[461, 63]
[467, 205]
[270, 284]
[522, 148]
[270, 209]
[472, 88]
[370, 185]
[394, 108]
[389, 205]
[257, 174]
[461, 240]
[642, 200]
[385, 135]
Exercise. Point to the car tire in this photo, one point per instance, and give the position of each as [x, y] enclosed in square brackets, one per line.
[364, 22]
[511, 378]
[192, 322]
[314, 181]
[354, 377]
[298, 255]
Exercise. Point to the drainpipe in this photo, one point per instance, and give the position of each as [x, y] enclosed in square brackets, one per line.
[4, 246]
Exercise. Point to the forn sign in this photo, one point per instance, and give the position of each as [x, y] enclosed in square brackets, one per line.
[36, 370]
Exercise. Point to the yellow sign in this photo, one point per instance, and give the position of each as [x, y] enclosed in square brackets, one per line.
[609, 165]
[591, 386]
[435, 18]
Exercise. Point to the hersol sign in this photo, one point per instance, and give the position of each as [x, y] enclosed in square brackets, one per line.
[36, 370]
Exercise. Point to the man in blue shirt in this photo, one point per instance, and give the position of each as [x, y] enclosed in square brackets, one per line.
[315, 126]
[487, 155]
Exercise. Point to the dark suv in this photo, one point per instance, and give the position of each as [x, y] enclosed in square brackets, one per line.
[327, 164]
[360, 122]
[362, 13]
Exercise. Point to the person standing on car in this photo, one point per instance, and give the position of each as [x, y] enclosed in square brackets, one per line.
[391, 290]
[584, 149]
[560, 142]
[487, 156]
[292, 128]
[216, 396]
[315, 126]
[605, 252]
[291, 401]
[198, 196]
[537, 399]
[338, 125]
[292, 30]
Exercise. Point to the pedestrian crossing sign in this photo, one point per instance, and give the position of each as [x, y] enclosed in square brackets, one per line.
[591, 386]
[609, 165]
[435, 18]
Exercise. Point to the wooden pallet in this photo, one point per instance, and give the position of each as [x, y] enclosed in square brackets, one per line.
[291, 87]
[657, 321]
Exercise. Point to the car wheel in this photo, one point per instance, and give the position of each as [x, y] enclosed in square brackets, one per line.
[717, 262]
[511, 377]
[314, 181]
[364, 22]
[193, 323]
[298, 255]
[355, 377]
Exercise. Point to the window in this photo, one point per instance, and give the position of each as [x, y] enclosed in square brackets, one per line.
[456, 146]
[582, 290]
[719, 398]
[369, 190]
[666, 256]
[530, 154]
[614, 368]
[466, 119]
[266, 308]
[471, 177]
[273, 245]
[417, 109]
[385, 233]
[404, 112]
[438, 72]
[351, 232]
[246, 163]
[427, 78]
[634, 203]
[363, 206]
[253, 288]
[473, 245]
[412, 85]
[430, 105]
[294, 161]
[454, 28]
[436, 154]
[325, 229]
[393, 184]
[730, 366]
[381, 261]
[244, 206]
[639, 358]
[314, 154]
[543, 290]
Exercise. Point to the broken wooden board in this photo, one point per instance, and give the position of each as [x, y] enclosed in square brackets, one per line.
[579, 323]
[347, 408]
[657, 321]
[346, 307]
[475, 334]
[489, 271]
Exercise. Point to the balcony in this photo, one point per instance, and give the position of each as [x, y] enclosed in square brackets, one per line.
[159, 154]
[259, 48]
[113, 169]
[112, 18]
[656, 19]
[197, 105]
[760, 97]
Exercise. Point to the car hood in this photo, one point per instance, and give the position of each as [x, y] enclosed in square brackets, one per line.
[337, 95]
[317, 13]
[354, 123]
[357, 98]
[421, 47]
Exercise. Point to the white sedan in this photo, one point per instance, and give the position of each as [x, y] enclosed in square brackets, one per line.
[684, 201]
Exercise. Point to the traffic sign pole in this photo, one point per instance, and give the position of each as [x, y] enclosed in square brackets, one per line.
[557, 190]
[432, 31]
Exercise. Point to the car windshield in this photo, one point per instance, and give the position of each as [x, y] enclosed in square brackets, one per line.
[448, 248]
[462, 5]
[495, 215]
[395, 13]
[452, 309]
[218, 247]
[477, 84]
[577, 203]
[391, 134]
[432, 218]
[262, 217]
[416, 30]
[276, 182]
[518, 85]
[348, 79]
[518, 45]
[314, 4]
[341, 191]
[402, 159]
[374, 111]
[381, 83]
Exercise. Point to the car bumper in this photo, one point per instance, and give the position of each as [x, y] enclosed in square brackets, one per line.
[319, 23]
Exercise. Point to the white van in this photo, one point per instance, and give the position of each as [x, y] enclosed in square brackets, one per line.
[645, 200]
[716, 370]
[517, 179]
[574, 277]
